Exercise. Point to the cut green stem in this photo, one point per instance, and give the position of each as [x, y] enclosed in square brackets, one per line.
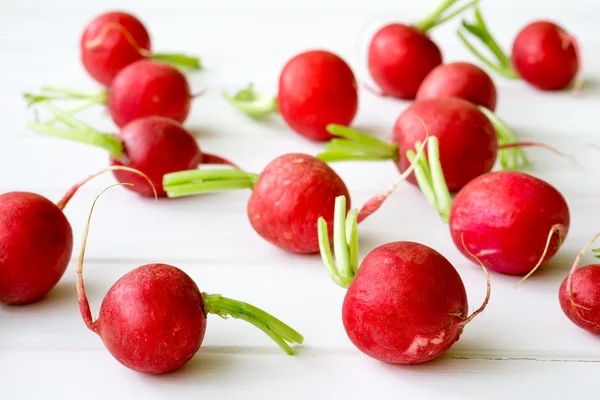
[54, 93]
[511, 158]
[356, 146]
[78, 131]
[179, 60]
[252, 104]
[502, 64]
[430, 178]
[441, 14]
[344, 266]
[281, 333]
[192, 182]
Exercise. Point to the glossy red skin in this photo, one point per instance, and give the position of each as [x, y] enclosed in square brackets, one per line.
[467, 139]
[155, 146]
[399, 308]
[545, 56]
[147, 88]
[152, 320]
[114, 52]
[400, 57]
[506, 217]
[583, 309]
[36, 242]
[462, 80]
[317, 88]
[290, 195]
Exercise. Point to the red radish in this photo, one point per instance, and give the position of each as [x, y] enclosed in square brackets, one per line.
[512, 221]
[142, 89]
[36, 241]
[287, 197]
[153, 145]
[400, 56]
[113, 40]
[468, 143]
[579, 295]
[543, 53]
[459, 79]
[406, 304]
[153, 319]
[316, 88]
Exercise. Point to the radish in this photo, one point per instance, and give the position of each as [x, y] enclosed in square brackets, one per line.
[579, 296]
[512, 221]
[543, 53]
[406, 304]
[36, 241]
[113, 40]
[287, 197]
[144, 88]
[153, 319]
[153, 145]
[316, 88]
[400, 56]
[459, 79]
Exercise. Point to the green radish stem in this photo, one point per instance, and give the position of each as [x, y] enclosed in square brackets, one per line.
[441, 13]
[191, 182]
[356, 146]
[511, 158]
[179, 60]
[502, 65]
[77, 131]
[252, 104]
[281, 333]
[343, 268]
[54, 93]
[430, 178]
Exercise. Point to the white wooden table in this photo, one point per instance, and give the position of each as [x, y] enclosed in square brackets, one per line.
[521, 347]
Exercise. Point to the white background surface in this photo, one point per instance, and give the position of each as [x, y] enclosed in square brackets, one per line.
[521, 347]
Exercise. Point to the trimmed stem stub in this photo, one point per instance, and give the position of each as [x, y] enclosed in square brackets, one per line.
[344, 266]
[478, 29]
[511, 158]
[253, 104]
[353, 145]
[281, 333]
[192, 182]
[179, 60]
[430, 177]
[442, 13]
[77, 131]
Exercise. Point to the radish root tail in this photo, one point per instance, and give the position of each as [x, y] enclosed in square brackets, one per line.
[555, 229]
[97, 41]
[488, 285]
[84, 305]
[65, 199]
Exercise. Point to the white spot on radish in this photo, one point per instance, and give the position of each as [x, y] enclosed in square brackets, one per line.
[439, 339]
[487, 252]
[286, 182]
[416, 344]
[287, 235]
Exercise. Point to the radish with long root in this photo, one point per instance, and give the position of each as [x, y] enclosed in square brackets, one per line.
[462, 80]
[113, 40]
[469, 140]
[287, 198]
[543, 54]
[579, 293]
[153, 319]
[400, 56]
[144, 88]
[36, 241]
[513, 222]
[153, 145]
[316, 88]
[406, 304]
